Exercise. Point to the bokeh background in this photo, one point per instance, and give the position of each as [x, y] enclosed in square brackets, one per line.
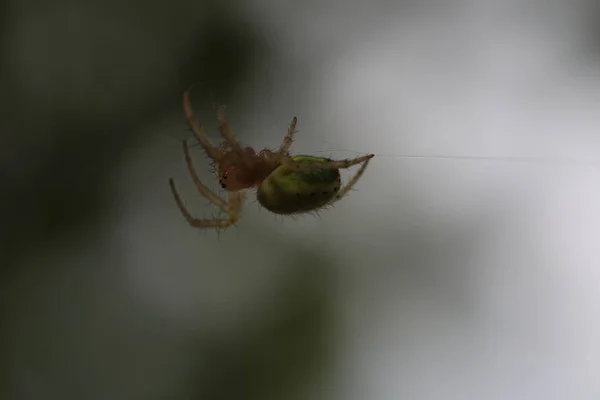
[435, 279]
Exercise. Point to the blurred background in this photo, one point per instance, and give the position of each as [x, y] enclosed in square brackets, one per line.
[436, 278]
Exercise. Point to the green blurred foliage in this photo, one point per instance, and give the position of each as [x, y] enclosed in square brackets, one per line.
[68, 184]
[59, 169]
[289, 350]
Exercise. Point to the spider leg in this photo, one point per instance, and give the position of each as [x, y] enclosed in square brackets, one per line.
[346, 188]
[290, 164]
[226, 131]
[289, 138]
[223, 147]
[233, 210]
[204, 191]
[232, 207]
[197, 129]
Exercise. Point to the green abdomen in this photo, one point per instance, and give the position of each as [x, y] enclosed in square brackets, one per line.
[287, 192]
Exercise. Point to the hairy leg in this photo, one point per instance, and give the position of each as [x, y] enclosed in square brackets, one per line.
[290, 164]
[235, 201]
[346, 188]
[197, 129]
[226, 131]
[289, 138]
[232, 207]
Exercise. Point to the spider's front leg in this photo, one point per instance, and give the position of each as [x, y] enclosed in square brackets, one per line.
[198, 130]
[226, 131]
[232, 207]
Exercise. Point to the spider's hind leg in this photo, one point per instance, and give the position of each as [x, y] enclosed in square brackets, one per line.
[341, 164]
[289, 138]
[348, 186]
[292, 165]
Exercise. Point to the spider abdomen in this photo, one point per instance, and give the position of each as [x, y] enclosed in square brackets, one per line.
[288, 192]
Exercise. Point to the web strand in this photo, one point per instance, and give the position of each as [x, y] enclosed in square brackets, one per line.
[510, 159]
[565, 161]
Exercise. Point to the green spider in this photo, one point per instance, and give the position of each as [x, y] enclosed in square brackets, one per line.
[285, 184]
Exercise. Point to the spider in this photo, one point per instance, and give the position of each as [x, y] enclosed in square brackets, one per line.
[285, 184]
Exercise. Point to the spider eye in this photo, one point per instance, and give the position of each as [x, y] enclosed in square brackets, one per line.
[223, 177]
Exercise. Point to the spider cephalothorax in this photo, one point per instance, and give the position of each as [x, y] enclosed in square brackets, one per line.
[285, 184]
[246, 169]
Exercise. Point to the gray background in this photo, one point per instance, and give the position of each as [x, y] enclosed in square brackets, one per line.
[435, 279]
